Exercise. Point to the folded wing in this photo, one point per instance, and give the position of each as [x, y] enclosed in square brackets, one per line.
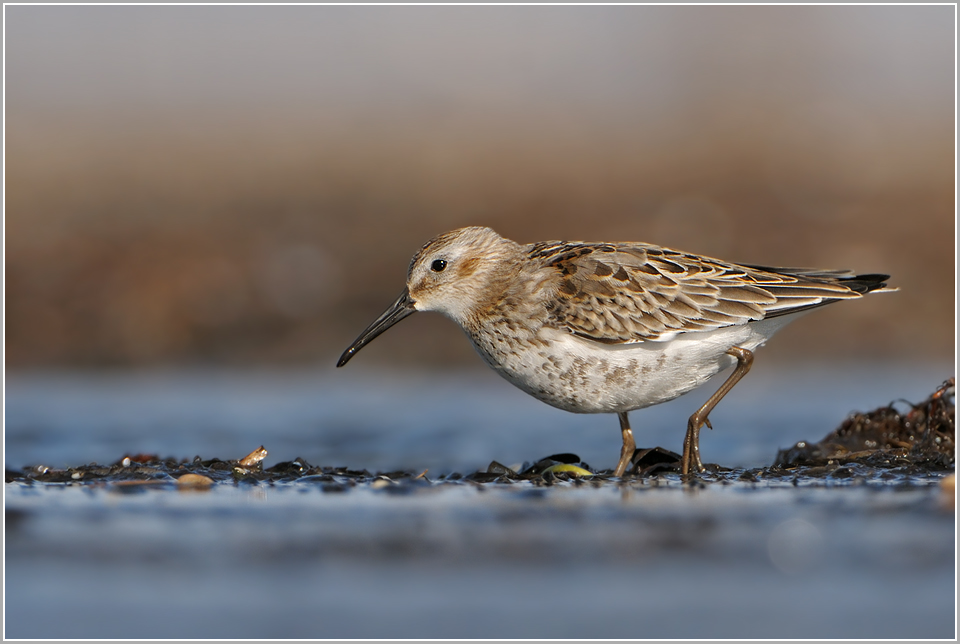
[631, 292]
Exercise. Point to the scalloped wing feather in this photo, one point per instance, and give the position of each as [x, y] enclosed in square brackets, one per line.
[632, 292]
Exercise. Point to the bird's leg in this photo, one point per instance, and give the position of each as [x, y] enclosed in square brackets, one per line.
[629, 446]
[691, 442]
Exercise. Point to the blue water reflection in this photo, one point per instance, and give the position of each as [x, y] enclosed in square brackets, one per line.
[652, 559]
[392, 419]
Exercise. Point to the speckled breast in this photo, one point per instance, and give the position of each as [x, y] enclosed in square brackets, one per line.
[583, 376]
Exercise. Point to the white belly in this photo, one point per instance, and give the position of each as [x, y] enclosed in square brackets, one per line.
[584, 376]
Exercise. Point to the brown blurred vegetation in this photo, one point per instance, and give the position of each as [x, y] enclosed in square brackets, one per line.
[229, 235]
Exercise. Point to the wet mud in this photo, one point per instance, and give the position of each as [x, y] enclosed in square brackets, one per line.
[892, 445]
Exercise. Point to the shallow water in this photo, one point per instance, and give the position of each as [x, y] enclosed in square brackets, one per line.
[654, 558]
[508, 561]
[387, 420]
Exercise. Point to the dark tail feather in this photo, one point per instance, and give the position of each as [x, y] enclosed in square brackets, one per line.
[856, 283]
[865, 283]
[809, 277]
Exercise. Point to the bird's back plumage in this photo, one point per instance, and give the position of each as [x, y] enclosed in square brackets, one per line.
[633, 292]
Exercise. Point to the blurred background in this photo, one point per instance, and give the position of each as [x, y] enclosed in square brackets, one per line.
[204, 205]
[245, 185]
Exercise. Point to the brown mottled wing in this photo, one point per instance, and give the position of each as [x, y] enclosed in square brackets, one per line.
[632, 292]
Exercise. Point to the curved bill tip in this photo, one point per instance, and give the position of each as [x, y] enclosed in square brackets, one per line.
[401, 308]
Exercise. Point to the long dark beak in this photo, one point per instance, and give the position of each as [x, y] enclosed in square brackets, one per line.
[397, 311]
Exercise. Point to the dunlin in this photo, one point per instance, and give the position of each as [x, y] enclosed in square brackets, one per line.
[609, 327]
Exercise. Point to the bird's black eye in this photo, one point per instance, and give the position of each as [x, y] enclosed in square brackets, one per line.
[438, 265]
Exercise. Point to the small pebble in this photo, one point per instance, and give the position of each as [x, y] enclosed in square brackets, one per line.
[948, 492]
[194, 480]
[126, 461]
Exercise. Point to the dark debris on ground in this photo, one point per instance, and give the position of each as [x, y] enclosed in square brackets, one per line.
[886, 444]
[921, 436]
